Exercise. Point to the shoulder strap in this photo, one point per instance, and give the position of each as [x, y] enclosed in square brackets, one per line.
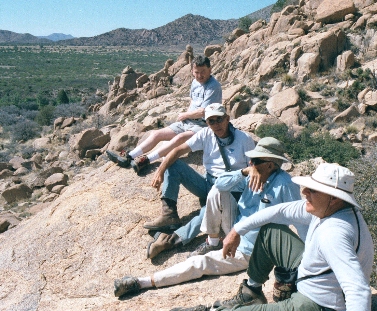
[225, 159]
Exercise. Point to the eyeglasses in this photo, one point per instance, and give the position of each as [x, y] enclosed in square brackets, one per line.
[257, 161]
[217, 120]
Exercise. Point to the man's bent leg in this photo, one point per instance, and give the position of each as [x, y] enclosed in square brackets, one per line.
[221, 212]
[276, 245]
[176, 174]
[195, 267]
[181, 173]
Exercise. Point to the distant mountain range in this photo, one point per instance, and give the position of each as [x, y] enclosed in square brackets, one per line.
[189, 29]
[56, 37]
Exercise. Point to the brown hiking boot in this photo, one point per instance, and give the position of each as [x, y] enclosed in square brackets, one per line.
[169, 219]
[245, 296]
[285, 283]
[123, 159]
[140, 163]
[161, 242]
[126, 285]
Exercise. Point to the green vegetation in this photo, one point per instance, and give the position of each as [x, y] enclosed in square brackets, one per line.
[36, 81]
[28, 72]
[365, 170]
[310, 143]
[244, 23]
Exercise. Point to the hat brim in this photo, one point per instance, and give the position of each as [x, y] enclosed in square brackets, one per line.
[214, 113]
[258, 154]
[308, 182]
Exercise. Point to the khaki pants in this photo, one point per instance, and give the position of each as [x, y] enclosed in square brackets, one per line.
[195, 267]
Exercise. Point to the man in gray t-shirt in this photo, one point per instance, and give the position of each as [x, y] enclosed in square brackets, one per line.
[205, 90]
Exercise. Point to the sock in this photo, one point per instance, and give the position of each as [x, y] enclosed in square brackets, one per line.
[153, 156]
[252, 283]
[145, 282]
[213, 241]
[136, 152]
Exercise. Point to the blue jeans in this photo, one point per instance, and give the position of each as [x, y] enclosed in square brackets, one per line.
[180, 173]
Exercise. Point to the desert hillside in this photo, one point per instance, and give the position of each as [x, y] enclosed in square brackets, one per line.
[72, 221]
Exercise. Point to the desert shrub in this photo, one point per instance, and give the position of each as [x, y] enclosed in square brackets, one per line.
[327, 91]
[23, 131]
[257, 92]
[62, 97]
[351, 130]
[311, 112]
[303, 95]
[244, 23]
[262, 107]
[315, 86]
[45, 115]
[70, 110]
[371, 121]
[341, 105]
[310, 144]
[365, 170]
[287, 79]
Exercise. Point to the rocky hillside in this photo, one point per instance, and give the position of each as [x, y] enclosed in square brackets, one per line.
[13, 37]
[189, 29]
[72, 220]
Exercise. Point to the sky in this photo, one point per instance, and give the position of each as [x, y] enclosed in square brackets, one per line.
[87, 18]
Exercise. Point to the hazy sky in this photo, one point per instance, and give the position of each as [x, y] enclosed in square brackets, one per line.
[87, 18]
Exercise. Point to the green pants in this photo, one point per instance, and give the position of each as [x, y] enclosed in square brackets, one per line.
[278, 246]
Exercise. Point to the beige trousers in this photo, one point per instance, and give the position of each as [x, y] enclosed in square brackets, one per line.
[195, 267]
[221, 212]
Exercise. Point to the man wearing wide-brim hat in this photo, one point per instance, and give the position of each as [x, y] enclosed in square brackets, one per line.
[332, 269]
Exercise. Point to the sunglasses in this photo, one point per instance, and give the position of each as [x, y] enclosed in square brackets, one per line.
[214, 121]
[257, 161]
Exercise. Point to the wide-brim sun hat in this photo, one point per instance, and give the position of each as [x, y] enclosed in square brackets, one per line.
[214, 109]
[332, 179]
[268, 147]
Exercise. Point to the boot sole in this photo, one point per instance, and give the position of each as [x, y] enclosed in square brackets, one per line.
[164, 228]
[155, 237]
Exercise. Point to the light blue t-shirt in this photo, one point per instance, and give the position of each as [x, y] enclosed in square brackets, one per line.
[278, 188]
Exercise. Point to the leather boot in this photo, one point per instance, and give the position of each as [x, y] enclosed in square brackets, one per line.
[284, 284]
[162, 242]
[169, 219]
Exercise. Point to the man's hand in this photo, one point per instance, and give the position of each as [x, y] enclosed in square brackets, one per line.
[182, 116]
[230, 244]
[257, 178]
[157, 181]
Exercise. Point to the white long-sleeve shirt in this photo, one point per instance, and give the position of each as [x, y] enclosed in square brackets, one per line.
[330, 243]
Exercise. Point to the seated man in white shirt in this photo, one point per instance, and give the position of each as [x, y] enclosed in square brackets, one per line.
[333, 266]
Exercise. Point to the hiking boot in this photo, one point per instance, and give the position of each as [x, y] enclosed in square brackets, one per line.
[169, 219]
[246, 296]
[123, 159]
[140, 163]
[160, 243]
[205, 248]
[197, 308]
[126, 285]
[285, 283]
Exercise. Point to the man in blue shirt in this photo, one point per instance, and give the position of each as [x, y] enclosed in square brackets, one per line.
[271, 186]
